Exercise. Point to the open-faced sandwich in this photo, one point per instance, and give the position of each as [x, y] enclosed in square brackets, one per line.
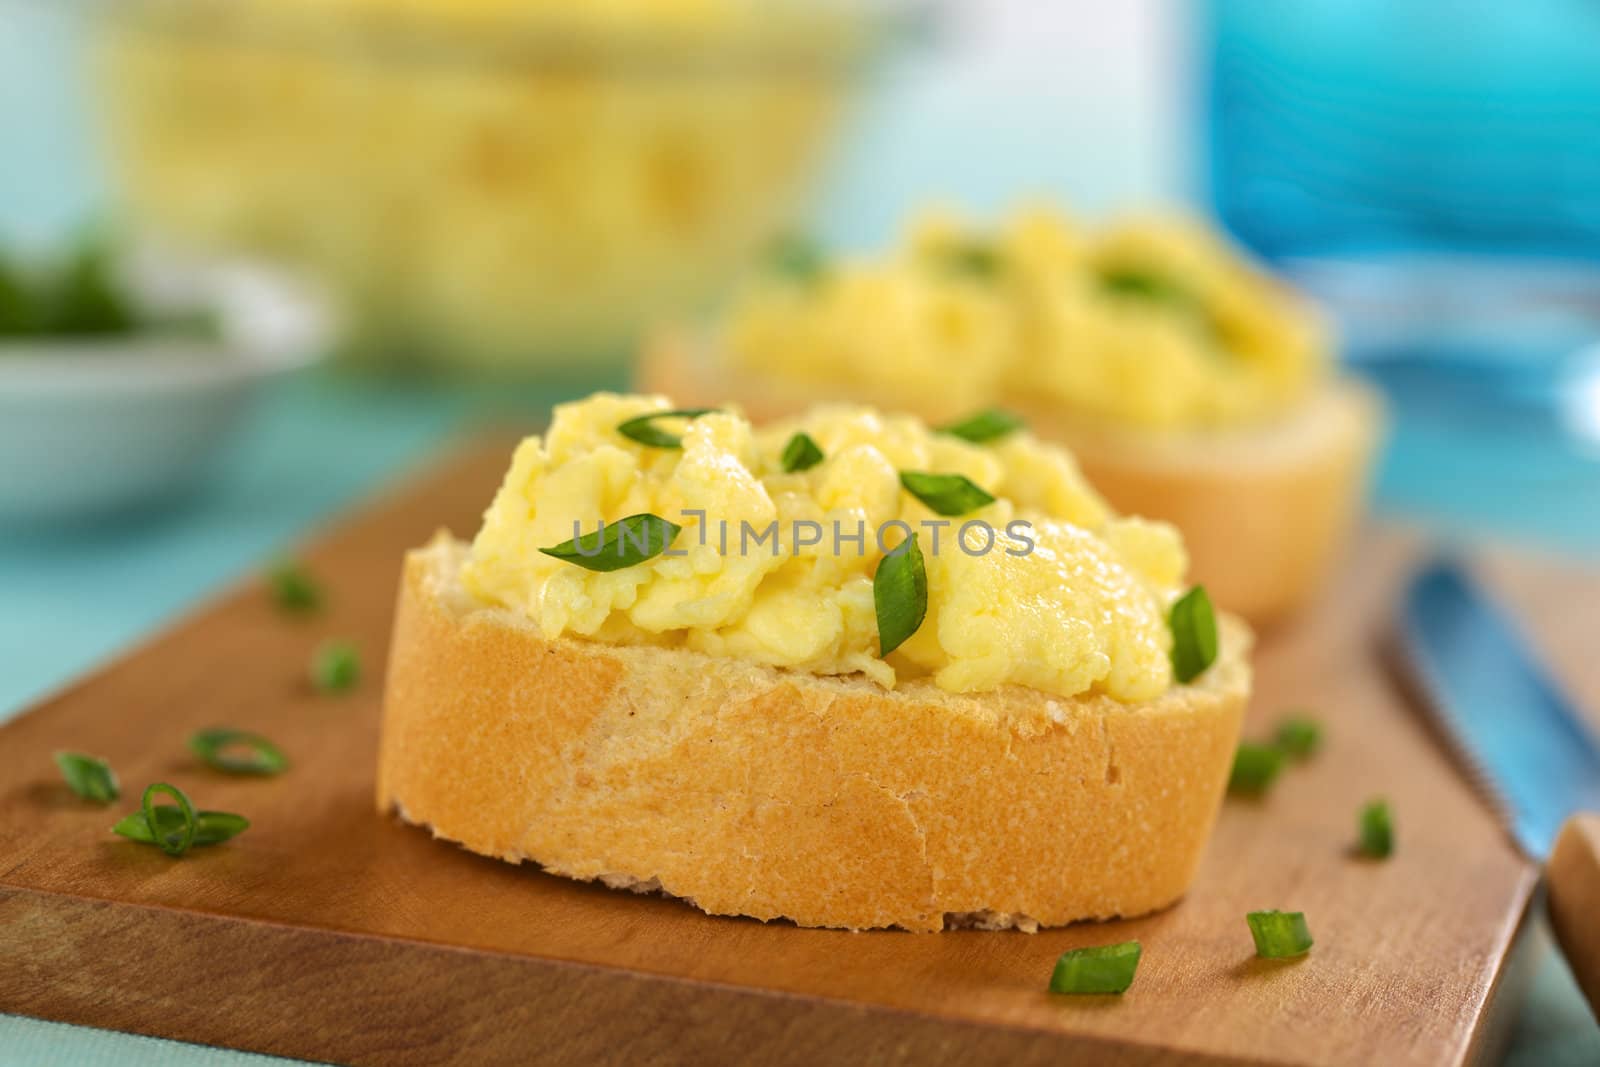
[1190, 385]
[842, 669]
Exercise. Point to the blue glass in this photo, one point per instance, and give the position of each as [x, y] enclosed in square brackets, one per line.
[1344, 127]
[1430, 171]
[1430, 168]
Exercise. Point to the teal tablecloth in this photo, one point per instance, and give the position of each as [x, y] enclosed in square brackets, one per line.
[68, 602]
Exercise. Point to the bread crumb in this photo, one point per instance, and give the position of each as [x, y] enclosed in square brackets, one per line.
[990, 920]
[630, 883]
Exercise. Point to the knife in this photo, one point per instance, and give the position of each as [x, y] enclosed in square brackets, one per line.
[1521, 737]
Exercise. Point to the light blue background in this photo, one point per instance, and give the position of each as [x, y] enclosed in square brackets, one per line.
[315, 443]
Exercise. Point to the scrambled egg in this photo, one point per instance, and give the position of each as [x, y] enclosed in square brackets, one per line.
[1149, 322]
[1069, 598]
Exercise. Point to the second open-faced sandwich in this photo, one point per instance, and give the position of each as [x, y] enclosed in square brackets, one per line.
[841, 669]
[1190, 385]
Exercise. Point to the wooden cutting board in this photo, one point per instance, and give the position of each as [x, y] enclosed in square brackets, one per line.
[328, 932]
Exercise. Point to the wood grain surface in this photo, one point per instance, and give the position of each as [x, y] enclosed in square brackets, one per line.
[329, 933]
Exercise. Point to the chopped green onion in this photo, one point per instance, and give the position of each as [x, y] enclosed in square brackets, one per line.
[801, 453]
[211, 827]
[335, 666]
[1146, 285]
[90, 778]
[1254, 768]
[1138, 283]
[88, 298]
[136, 828]
[985, 426]
[1377, 830]
[642, 428]
[624, 543]
[174, 840]
[900, 594]
[1194, 634]
[1106, 969]
[1279, 934]
[217, 826]
[1299, 737]
[220, 748]
[19, 312]
[946, 494]
[293, 588]
[797, 258]
[973, 259]
[83, 295]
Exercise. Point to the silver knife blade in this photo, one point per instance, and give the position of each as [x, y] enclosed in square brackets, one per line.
[1499, 705]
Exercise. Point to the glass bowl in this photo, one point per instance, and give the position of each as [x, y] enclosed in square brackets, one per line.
[514, 185]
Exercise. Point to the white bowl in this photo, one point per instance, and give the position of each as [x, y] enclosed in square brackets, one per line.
[90, 426]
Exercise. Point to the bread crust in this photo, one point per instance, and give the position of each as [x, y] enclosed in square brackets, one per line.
[751, 790]
[1265, 510]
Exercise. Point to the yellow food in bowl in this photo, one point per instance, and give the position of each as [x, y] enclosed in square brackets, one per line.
[1047, 588]
[1152, 323]
[489, 181]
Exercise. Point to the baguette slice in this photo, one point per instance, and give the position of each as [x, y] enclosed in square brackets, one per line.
[1265, 510]
[751, 790]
